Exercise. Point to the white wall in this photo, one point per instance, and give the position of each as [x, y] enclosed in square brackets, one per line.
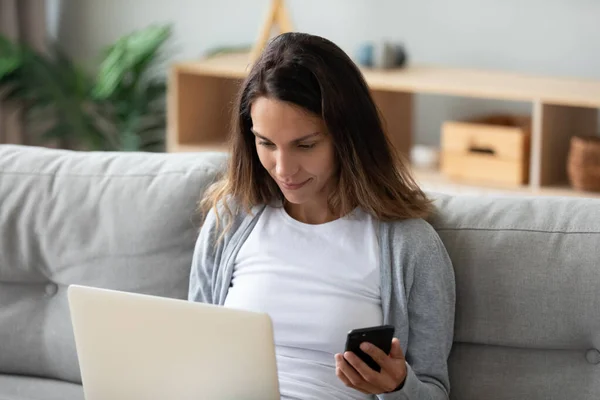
[549, 37]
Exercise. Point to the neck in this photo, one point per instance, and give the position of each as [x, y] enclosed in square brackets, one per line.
[313, 214]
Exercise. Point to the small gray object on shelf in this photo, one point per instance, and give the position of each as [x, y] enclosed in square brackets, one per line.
[382, 54]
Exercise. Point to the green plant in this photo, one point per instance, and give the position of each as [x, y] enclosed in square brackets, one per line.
[121, 108]
[131, 97]
[50, 90]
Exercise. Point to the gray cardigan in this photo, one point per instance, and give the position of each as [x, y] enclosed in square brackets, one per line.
[417, 292]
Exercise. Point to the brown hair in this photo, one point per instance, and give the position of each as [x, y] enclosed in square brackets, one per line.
[315, 74]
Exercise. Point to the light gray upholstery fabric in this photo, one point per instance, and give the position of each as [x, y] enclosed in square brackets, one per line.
[28, 388]
[121, 221]
[528, 298]
[527, 269]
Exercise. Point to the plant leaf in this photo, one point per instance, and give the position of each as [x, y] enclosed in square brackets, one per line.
[10, 56]
[8, 66]
[129, 55]
[156, 145]
[58, 131]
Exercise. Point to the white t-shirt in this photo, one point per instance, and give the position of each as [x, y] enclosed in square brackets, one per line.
[316, 282]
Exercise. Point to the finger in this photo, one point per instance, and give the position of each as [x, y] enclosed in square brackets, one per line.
[342, 376]
[338, 370]
[354, 377]
[367, 373]
[342, 373]
[396, 351]
[376, 353]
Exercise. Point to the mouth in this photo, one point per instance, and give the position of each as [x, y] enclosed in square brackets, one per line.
[293, 186]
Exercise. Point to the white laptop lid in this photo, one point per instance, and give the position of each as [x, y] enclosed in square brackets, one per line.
[140, 347]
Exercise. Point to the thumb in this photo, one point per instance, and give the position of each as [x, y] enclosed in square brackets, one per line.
[396, 351]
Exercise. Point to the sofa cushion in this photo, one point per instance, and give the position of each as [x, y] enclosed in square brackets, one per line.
[14, 387]
[528, 305]
[115, 220]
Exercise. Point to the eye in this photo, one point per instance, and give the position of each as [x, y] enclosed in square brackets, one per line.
[307, 146]
[265, 144]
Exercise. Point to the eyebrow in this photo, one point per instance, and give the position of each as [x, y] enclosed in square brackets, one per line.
[293, 141]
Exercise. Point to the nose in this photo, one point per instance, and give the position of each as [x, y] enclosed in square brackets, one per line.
[286, 165]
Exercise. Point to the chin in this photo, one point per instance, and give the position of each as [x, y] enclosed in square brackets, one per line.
[294, 198]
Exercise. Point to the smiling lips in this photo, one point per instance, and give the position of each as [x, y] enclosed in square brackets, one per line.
[293, 186]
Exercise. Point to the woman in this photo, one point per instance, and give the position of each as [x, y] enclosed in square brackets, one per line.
[318, 223]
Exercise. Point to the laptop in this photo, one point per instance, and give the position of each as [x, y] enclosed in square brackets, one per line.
[140, 347]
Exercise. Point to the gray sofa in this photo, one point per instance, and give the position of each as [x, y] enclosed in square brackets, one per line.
[527, 270]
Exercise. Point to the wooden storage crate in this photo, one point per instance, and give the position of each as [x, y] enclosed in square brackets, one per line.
[493, 149]
[583, 163]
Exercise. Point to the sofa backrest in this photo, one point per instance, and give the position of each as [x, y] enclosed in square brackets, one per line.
[528, 296]
[114, 220]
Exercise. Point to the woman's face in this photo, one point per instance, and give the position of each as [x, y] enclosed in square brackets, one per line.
[294, 146]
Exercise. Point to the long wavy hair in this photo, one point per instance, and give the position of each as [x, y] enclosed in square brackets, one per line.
[312, 72]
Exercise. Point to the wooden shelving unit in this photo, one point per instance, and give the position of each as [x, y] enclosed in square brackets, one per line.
[201, 95]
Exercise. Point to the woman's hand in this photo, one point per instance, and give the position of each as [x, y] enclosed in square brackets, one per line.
[356, 374]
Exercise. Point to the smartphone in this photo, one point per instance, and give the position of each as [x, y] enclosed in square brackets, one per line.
[380, 336]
